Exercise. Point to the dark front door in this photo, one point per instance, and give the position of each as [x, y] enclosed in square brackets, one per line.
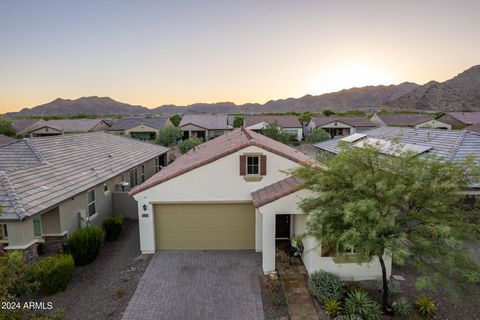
[282, 226]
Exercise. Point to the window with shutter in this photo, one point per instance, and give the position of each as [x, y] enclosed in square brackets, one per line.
[263, 165]
[243, 165]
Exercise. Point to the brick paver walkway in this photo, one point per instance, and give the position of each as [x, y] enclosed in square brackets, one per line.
[199, 285]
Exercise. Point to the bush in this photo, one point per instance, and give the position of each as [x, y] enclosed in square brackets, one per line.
[168, 135]
[425, 306]
[393, 286]
[85, 244]
[189, 144]
[325, 285]
[401, 307]
[358, 303]
[273, 131]
[113, 227]
[317, 135]
[175, 119]
[332, 307]
[54, 273]
[278, 299]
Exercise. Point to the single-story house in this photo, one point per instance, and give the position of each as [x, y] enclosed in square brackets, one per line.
[60, 127]
[233, 193]
[144, 129]
[22, 125]
[412, 120]
[204, 126]
[50, 187]
[460, 120]
[289, 124]
[5, 139]
[339, 126]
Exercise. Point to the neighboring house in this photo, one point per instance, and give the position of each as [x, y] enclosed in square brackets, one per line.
[144, 129]
[289, 124]
[474, 128]
[339, 126]
[233, 193]
[50, 187]
[204, 126]
[460, 120]
[22, 125]
[5, 139]
[412, 120]
[59, 127]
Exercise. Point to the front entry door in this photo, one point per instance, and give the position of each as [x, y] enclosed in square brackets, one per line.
[282, 226]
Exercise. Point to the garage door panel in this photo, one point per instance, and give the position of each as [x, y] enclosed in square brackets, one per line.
[204, 226]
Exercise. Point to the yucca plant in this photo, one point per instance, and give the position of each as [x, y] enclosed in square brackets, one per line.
[401, 307]
[359, 303]
[332, 307]
[425, 306]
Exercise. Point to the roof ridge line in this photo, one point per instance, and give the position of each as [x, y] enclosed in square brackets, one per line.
[249, 136]
[457, 144]
[37, 153]
[12, 196]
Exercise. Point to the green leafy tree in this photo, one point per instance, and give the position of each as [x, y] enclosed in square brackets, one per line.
[189, 144]
[175, 119]
[406, 207]
[168, 135]
[273, 131]
[238, 121]
[317, 135]
[305, 117]
[328, 112]
[7, 128]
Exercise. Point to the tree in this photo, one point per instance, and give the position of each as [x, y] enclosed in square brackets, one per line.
[328, 112]
[405, 207]
[175, 119]
[6, 127]
[189, 144]
[317, 135]
[168, 135]
[273, 131]
[305, 117]
[238, 121]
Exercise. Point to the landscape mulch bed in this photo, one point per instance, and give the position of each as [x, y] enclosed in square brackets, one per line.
[271, 310]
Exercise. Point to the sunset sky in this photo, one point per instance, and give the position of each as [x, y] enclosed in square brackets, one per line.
[181, 52]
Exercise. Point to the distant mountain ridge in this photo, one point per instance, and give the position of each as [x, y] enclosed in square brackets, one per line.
[460, 93]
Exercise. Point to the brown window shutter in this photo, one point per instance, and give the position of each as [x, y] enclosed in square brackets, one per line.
[243, 165]
[263, 165]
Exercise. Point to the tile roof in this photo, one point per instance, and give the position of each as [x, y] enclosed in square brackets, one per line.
[68, 125]
[473, 128]
[466, 117]
[276, 191]
[404, 119]
[38, 174]
[281, 121]
[449, 144]
[128, 123]
[351, 121]
[206, 121]
[220, 147]
[5, 139]
[21, 124]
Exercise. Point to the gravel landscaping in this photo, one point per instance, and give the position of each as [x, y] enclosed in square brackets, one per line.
[102, 289]
[273, 298]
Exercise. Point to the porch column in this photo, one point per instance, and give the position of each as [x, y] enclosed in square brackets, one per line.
[268, 253]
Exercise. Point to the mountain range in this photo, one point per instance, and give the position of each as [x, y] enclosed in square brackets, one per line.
[461, 93]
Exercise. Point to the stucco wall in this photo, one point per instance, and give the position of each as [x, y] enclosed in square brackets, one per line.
[20, 233]
[141, 128]
[125, 205]
[51, 222]
[434, 124]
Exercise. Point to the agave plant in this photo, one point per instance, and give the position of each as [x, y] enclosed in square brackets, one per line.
[401, 307]
[425, 306]
[359, 303]
[332, 307]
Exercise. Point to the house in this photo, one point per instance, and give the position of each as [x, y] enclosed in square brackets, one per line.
[59, 127]
[50, 187]
[460, 120]
[289, 124]
[144, 129]
[22, 125]
[233, 193]
[204, 126]
[474, 128]
[5, 139]
[412, 120]
[339, 126]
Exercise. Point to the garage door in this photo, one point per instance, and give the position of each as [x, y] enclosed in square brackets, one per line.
[204, 226]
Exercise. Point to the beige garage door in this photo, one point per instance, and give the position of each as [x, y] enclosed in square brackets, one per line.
[204, 226]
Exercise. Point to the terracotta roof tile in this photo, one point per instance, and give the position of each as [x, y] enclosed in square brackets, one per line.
[276, 191]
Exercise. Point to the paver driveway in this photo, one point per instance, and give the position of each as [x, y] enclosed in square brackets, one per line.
[199, 285]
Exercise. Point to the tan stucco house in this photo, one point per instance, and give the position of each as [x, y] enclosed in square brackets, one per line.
[339, 125]
[289, 124]
[411, 120]
[51, 186]
[145, 129]
[204, 126]
[59, 127]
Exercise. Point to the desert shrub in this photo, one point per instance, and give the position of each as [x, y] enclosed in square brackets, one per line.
[6, 127]
[393, 286]
[401, 307]
[273, 131]
[325, 285]
[175, 119]
[359, 303]
[238, 121]
[113, 227]
[189, 144]
[168, 135]
[317, 135]
[271, 284]
[425, 306]
[332, 307]
[278, 299]
[53, 273]
[85, 244]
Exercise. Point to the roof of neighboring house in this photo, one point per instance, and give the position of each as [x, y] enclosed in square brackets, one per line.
[206, 121]
[129, 123]
[22, 124]
[473, 128]
[449, 144]
[281, 121]
[69, 125]
[466, 117]
[351, 121]
[5, 139]
[38, 174]
[217, 148]
[276, 191]
[404, 119]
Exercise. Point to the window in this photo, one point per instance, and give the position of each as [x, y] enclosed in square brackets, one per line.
[3, 231]
[105, 186]
[134, 177]
[91, 203]
[142, 173]
[37, 226]
[253, 165]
